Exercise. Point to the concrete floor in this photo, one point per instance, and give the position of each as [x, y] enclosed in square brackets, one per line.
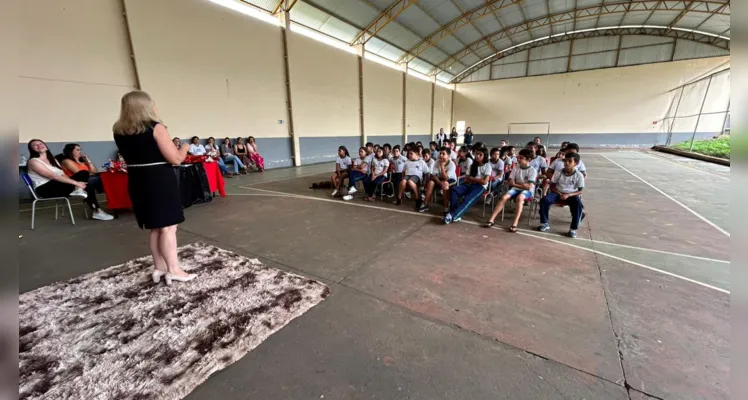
[636, 308]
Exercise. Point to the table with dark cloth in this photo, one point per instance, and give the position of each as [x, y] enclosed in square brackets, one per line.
[197, 183]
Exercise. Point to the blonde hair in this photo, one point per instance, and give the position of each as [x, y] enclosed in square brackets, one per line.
[136, 114]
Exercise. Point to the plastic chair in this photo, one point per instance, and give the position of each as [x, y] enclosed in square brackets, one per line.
[27, 181]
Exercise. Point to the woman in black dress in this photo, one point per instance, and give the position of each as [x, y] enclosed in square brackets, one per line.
[149, 152]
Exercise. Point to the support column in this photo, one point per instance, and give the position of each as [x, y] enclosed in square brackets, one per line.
[701, 110]
[362, 131]
[433, 93]
[571, 53]
[618, 50]
[131, 48]
[452, 111]
[404, 132]
[285, 19]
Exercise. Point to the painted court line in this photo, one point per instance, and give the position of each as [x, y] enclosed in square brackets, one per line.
[634, 247]
[676, 163]
[478, 224]
[674, 200]
[286, 179]
[633, 263]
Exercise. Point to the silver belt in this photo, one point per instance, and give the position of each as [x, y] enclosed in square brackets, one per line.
[146, 165]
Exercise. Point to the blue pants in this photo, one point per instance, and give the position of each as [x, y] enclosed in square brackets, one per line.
[471, 193]
[354, 177]
[237, 163]
[371, 185]
[396, 178]
[494, 185]
[222, 165]
[575, 206]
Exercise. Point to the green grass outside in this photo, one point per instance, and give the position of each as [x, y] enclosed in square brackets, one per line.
[719, 147]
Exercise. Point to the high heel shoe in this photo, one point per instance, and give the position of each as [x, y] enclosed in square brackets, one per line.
[169, 278]
[157, 274]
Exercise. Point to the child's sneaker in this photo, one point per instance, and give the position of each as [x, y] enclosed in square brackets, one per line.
[489, 198]
[423, 208]
[408, 195]
[334, 193]
[447, 218]
[78, 192]
[572, 234]
[352, 190]
[347, 197]
[458, 219]
[544, 227]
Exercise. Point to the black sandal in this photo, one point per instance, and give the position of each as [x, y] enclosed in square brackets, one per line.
[513, 229]
[489, 224]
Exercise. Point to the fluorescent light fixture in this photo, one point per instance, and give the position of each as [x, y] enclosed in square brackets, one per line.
[383, 61]
[248, 10]
[321, 37]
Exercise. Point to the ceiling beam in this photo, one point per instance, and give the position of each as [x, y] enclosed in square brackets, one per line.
[284, 5]
[449, 28]
[593, 11]
[661, 31]
[384, 18]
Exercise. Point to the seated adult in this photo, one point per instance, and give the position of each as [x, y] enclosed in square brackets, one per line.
[78, 167]
[177, 142]
[196, 149]
[49, 180]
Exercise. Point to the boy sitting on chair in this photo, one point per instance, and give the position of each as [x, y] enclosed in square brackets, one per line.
[521, 186]
[566, 187]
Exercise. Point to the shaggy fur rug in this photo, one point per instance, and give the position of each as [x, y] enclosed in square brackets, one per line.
[114, 334]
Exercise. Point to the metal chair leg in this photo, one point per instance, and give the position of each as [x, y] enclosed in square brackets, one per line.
[33, 213]
[57, 204]
[72, 219]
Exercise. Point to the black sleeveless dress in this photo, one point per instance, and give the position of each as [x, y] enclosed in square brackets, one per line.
[153, 189]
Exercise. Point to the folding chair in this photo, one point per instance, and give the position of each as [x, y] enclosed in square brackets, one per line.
[27, 181]
[493, 193]
[531, 202]
[387, 181]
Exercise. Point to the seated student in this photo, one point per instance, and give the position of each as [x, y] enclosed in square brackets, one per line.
[398, 160]
[471, 189]
[369, 152]
[521, 187]
[442, 177]
[558, 164]
[413, 171]
[452, 144]
[434, 149]
[503, 143]
[537, 140]
[497, 169]
[196, 149]
[419, 151]
[359, 171]
[379, 168]
[342, 169]
[387, 151]
[426, 157]
[541, 152]
[509, 158]
[418, 143]
[177, 142]
[464, 160]
[537, 162]
[566, 187]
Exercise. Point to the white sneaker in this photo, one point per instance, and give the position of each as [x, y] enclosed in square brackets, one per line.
[408, 195]
[78, 192]
[102, 216]
[334, 193]
[352, 190]
[347, 197]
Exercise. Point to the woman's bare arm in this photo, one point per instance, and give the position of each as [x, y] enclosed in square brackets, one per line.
[45, 172]
[166, 146]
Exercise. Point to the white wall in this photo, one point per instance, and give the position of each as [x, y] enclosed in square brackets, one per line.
[615, 100]
[74, 68]
[442, 109]
[383, 100]
[211, 71]
[417, 106]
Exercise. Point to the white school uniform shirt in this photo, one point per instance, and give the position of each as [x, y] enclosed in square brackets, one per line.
[465, 165]
[197, 149]
[399, 163]
[369, 158]
[451, 170]
[358, 161]
[429, 166]
[538, 162]
[344, 162]
[484, 170]
[453, 155]
[380, 165]
[497, 169]
[558, 165]
[568, 183]
[434, 155]
[525, 175]
[417, 168]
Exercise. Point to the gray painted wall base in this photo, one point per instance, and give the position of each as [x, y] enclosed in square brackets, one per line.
[315, 150]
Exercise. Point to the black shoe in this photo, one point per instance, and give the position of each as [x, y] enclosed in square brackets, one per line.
[398, 202]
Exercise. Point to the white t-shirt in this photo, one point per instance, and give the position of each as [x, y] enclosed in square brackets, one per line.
[369, 158]
[399, 163]
[558, 165]
[212, 150]
[497, 169]
[568, 183]
[484, 170]
[358, 161]
[417, 168]
[344, 162]
[197, 149]
[380, 165]
[450, 169]
[524, 175]
[38, 180]
[453, 155]
[429, 165]
[538, 163]
[465, 165]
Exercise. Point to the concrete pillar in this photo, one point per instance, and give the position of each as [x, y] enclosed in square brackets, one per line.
[285, 19]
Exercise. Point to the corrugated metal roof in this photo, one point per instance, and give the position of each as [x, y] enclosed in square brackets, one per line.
[550, 51]
[645, 55]
[513, 58]
[509, 71]
[595, 44]
[547, 67]
[267, 5]
[641, 40]
[593, 61]
[686, 49]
